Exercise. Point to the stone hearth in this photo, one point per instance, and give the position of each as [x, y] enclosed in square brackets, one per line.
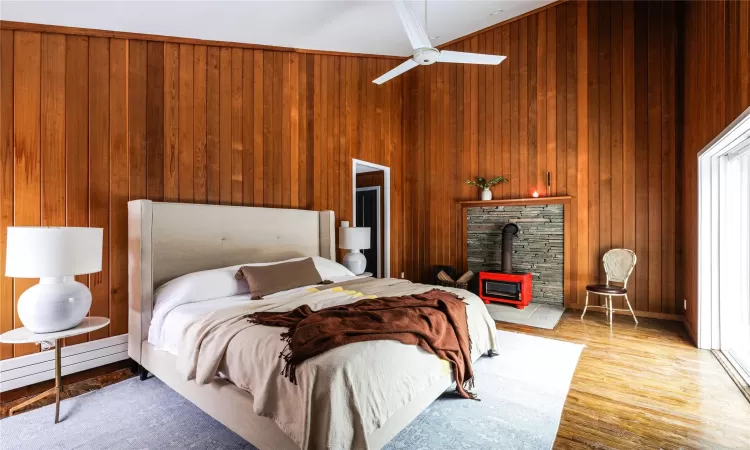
[538, 247]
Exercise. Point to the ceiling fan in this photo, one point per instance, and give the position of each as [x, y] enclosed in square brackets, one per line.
[424, 53]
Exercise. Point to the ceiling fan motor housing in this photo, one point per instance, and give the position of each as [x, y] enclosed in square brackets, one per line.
[426, 56]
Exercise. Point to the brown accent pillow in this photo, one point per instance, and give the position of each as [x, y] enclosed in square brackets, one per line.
[266, 280]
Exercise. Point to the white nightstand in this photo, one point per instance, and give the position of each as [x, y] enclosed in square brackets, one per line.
[24, 336]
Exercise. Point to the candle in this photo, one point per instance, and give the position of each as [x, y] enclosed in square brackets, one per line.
[535, 194]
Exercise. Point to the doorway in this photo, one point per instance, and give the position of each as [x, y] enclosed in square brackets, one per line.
[371, 198]
[724, 245]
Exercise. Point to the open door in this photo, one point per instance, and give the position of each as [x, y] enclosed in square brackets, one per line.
[369, 215]
[371, 205]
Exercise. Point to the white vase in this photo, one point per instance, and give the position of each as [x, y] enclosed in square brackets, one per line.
[486, 194]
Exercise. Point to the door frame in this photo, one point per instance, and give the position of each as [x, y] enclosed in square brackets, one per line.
[386, 205]
[712, 195]
[378, 200]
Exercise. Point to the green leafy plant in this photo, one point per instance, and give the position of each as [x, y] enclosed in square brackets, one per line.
[484, 184]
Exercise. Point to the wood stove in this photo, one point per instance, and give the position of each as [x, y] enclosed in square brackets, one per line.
[506, 286]
[512, 288]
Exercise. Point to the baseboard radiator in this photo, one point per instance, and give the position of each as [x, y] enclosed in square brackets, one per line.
[37, 367]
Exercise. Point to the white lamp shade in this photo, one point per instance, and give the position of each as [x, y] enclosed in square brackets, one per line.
[35, 252]
[354, 238]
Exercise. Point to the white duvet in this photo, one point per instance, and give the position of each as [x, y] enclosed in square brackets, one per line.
[341, 396]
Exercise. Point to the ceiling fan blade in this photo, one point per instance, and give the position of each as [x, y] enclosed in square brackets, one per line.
[417, 34]
[396, 71]
[447, 56]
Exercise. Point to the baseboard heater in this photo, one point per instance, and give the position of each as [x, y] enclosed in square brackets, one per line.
[37, 367]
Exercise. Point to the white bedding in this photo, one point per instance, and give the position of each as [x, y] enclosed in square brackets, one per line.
[343, 395]
[168, 329]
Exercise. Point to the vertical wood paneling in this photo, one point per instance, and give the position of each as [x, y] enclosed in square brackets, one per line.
[171, 122]
[641, 156]
[199, 123]
[655, 130]
[604, 80]
[118, 185]
[89, 123]
[587, 93]
[258, 152]
[53, 130]
[225, 125]
[248, 88]
[99, 177]
[716, 90]
[669, 200]
[155, 123]
[584, 95]
[628, 136]
[77, 141]
[137, 95]
[236, 122]
[7, 301]
[186, 127]
[267, 123]
[27, 149]
[96, 122]
[568, 27]
[212, 126]
[549, 65]
[594, 174]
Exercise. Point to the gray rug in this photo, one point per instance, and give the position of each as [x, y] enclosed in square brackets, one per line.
[520, 409]
[538, 315]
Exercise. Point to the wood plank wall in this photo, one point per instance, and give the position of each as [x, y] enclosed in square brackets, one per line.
[588, 93]
[716, 91]
[90, 122]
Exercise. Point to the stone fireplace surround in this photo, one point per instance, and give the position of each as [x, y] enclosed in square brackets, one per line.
[539, 247]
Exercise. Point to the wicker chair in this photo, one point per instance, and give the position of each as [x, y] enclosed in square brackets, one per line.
[618, 265]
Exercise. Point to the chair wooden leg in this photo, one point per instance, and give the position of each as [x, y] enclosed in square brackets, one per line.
[586, 305]
[631, 309]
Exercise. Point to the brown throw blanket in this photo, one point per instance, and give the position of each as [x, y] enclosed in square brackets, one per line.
[435, 321]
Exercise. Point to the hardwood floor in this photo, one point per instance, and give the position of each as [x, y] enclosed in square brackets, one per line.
[74, 385]
[645, 386]
[640, 387]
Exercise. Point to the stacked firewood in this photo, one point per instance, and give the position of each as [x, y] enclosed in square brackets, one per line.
[462, 283]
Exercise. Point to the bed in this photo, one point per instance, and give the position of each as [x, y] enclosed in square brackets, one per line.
[170, 240]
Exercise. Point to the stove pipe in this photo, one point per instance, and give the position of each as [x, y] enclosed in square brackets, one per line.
[509, 230]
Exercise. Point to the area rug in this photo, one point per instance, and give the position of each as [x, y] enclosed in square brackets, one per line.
[537, 315]
[523, 390]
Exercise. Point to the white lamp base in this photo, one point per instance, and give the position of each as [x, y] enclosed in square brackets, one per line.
[355, 261]
[55, 304]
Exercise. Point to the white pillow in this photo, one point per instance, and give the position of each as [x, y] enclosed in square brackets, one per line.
[221, 283]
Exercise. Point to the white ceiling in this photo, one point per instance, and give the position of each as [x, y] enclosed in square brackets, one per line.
[357, 26]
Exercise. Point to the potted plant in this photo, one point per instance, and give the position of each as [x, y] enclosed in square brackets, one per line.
[486, 185]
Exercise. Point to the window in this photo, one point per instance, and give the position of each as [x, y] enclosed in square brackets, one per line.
[724, 245]
[735, 298]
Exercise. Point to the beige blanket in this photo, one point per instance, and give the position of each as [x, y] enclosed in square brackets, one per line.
[341, 396]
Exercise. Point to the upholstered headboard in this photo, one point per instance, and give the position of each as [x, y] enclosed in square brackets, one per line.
[167, 240]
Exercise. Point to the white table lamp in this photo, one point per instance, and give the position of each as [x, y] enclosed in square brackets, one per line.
[354, 239]
[55, 255]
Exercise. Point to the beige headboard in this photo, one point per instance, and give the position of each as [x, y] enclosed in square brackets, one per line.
[167, 240]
